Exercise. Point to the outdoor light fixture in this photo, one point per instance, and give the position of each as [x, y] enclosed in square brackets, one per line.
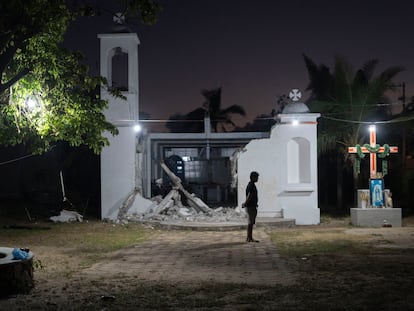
[137, 128]
[295, 122]
[31, 102]
[372, 128]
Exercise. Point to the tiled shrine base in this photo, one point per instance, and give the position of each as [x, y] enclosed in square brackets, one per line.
[376, 217]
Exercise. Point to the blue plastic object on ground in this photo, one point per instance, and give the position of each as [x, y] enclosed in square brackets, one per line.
[19, 254]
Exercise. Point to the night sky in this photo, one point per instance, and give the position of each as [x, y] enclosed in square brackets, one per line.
[253, 49]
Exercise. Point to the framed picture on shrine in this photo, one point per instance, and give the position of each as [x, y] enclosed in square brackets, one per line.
[376, 190]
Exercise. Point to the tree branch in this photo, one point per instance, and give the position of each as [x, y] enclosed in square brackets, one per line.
[6, 57]
[13, 80]
[4, 39]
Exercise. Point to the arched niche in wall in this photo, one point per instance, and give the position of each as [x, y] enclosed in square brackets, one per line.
[118, 69]
[298, 161]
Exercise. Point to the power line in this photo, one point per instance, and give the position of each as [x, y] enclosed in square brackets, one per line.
[401, 119]
[191, 120]
[17, 159]
[23, 157]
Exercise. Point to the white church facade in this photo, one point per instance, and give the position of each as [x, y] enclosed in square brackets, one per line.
[286, 160]
[287, 167]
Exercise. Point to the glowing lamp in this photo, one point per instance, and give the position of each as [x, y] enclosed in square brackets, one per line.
[137, 128]
[32, 102]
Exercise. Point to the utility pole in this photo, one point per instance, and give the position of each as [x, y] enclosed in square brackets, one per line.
[404, 131]
[402, 98]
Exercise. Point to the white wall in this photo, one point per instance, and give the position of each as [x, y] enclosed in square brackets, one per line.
[117, 171]
[119, 110]
[119, 160]
[287, 167]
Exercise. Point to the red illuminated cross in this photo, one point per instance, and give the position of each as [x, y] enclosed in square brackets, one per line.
[373, 155]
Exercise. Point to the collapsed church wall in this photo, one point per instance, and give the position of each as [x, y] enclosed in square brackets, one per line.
[287, 165]
[287, 161]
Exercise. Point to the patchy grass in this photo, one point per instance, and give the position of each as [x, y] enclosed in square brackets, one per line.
[68, 247]
[99, 236]
[306, 242]
[336, 271]
[327, 219]
[348, 268]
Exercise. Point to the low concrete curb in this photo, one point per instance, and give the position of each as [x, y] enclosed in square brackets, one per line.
[221, 226]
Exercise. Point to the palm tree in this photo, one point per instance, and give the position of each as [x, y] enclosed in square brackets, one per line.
[192, 122]
[212, 107]
[349, 95]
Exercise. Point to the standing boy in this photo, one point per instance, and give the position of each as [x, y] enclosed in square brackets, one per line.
[251, 205]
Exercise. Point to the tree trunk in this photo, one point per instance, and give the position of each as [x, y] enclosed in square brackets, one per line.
[339, 179]
[16, 276]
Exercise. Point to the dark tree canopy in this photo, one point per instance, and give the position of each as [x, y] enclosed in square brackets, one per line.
[46, 93]
[350, 95]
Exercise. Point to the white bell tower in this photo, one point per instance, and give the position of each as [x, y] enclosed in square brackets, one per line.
[119, 65]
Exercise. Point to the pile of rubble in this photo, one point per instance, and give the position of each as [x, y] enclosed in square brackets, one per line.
[178, 213]
[171, 209]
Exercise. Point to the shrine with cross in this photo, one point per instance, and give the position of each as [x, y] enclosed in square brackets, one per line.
[374, 217]
[373, 149]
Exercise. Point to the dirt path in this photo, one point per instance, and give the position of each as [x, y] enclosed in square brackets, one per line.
[192, 256]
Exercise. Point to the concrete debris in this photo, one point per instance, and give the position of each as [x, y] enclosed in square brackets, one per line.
[67, 216]
[127, 204]
[193, 201]
[177, 213]
[171, 209]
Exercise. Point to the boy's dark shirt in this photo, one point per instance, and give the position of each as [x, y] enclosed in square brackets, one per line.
[251, 188]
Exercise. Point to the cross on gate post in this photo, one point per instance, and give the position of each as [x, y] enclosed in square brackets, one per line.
[373, 149]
